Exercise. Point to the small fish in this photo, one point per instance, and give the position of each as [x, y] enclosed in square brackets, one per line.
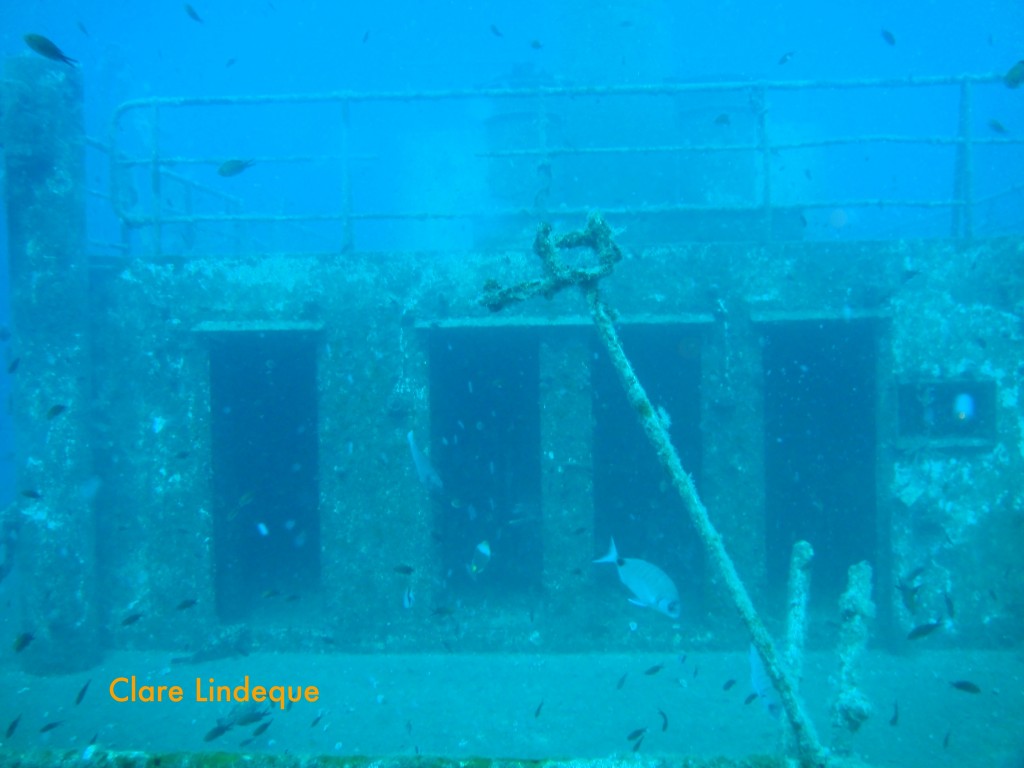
[21, 642]
[82, 29]
[13, 365]
[185, 604]
[55, 411]
[481, 557]
[651, 586]
[622, 682]
[908, 593]
[234, 167]
[130, 619]
[229, 63]
[536, 45]
[923, 630]
[269, 593]
[994, 125]
[252, 716]
[654, 670]
[634, 735]
[895, 719]
[637, 743]
[217, 731]
[889, 37]
[50, 726]
[696, 669]
[664, 721]
[317, 719]
[47, 48]
[913, 576]
[728, 684]
[786, 57]
[966, 686]
[81, 693]
[247, 742]
[424, 469]
[261, 728]
[405, 570]
[1015, 75]
[192, 13]
[32, 493]
[723, 119]
[12, 727]
[536, 712]
[750, 698]
[495, 31]
[366, 37]
[950, 608]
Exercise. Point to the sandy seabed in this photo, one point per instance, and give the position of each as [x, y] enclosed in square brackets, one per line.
[531, 706]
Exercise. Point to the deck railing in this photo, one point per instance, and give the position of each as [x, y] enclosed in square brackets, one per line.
[556, 134]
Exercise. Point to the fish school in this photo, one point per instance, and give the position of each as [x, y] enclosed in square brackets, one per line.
[346, 448]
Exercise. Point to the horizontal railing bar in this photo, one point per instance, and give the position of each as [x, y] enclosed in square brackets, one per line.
[665, 89]
[513, 212]
[670, 148]
[166, 161]
[1013, 190]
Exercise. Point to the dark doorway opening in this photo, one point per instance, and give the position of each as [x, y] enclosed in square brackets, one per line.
[820, 432]
[485, 445]
[263, 399]
[634, 501]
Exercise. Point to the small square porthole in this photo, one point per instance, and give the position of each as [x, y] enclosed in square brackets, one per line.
[948, 410]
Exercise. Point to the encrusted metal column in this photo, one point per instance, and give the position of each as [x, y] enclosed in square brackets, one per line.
[43, 137]
[379, 561]
[567, 487]
[732, 419]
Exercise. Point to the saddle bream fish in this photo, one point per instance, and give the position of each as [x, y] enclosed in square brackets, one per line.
[651, 586]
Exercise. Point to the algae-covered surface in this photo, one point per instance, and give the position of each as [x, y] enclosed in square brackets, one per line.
[522, 707]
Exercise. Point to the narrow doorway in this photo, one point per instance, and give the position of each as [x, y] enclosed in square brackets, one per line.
[820, 405]
[263, 400]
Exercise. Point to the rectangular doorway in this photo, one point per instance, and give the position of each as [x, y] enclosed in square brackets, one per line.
[263, 402]
[485, 445]
[634, 500]
[819, 449]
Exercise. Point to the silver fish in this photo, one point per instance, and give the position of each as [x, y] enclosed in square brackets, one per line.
[424, 470]
[651, 586]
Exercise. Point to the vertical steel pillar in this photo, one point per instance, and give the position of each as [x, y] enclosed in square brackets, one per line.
[45, 192]
[567, 479]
